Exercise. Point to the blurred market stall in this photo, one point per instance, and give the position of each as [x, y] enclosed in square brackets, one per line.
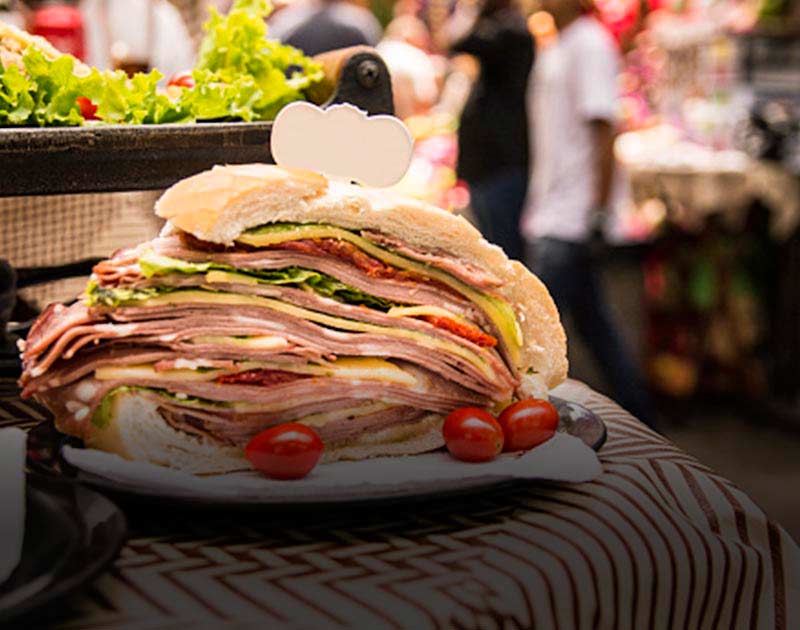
[712, 108]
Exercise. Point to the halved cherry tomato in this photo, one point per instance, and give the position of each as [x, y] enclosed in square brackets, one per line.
[88, 109]
[182, 79]
[472, 435]
[528, 423]
[287, 451]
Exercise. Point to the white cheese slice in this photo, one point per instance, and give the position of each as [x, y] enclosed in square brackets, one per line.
[350, 368]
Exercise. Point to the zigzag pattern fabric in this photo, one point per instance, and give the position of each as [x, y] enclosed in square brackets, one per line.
[657, 541]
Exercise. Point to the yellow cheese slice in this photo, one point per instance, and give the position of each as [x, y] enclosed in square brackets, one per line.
[148, 372]
[435, 311]
[350, 368]
[320, 419]
[256, 342]
[175, 298]
[371, 369]
[225, 277]
[232, 278]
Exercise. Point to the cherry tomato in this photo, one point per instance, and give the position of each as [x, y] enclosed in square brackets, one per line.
[88, 109]
[472, 435]
[287, 451]
[528, 423]
[182, 79]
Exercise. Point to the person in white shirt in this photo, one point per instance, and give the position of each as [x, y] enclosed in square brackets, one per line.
[150, 33]
[575, 185]
[414, 74]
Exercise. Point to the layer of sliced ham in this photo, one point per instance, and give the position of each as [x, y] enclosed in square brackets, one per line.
[63, 372]
[76, 403]
[230, 431]
[53, 322]
[168, 326]
[306, 299]
[123, 270]
[461, 269]
[196, 320]
[315, 302]
[347, 429]
[69, 343]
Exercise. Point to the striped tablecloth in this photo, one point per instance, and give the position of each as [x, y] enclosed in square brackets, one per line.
[658, 541]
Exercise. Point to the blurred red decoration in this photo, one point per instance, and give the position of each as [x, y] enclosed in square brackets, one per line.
[619, 16]
[62, 26]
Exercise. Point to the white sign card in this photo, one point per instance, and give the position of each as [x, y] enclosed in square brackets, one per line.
[343, 143]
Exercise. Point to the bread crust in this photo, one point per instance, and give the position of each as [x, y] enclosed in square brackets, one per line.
[218, 205]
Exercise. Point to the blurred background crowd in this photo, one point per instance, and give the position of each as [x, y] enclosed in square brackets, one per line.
[641, 156]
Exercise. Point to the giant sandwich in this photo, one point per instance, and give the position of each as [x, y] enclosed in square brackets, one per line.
[275, 295]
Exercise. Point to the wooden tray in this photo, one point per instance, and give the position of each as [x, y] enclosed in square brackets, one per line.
[111, 158]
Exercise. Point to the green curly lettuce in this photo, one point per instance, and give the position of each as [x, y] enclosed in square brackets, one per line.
[104, 412]
[135, 100]
[153, 264]
[105, 296]
[44, 93]
[240, 75]
[16, 100]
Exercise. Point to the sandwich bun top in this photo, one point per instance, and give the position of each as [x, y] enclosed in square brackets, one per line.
[219, 204]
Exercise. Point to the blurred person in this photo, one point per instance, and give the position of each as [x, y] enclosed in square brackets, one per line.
[318, 26]
[575, 185]
[60, 22]
[136, 36]
[493, 133]
[12, 12]
[404, 48]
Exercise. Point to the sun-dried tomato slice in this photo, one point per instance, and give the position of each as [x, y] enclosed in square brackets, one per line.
[259, 377]
[344, 251]
[471, 333]
[341, 249]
